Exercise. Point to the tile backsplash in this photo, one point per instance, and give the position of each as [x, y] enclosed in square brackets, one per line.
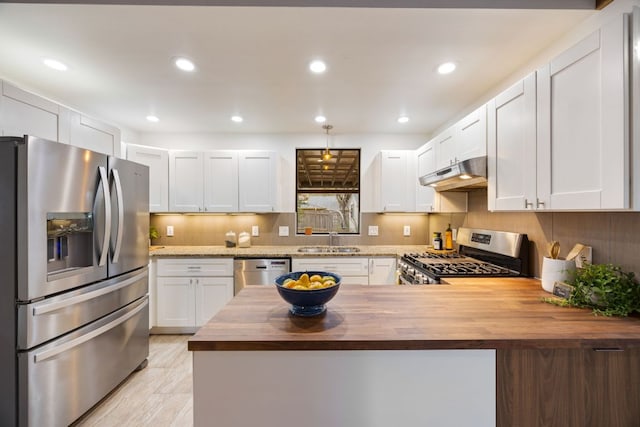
[210, 229]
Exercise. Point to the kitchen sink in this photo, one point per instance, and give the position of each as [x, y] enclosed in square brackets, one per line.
[328, 249]
[345, 249]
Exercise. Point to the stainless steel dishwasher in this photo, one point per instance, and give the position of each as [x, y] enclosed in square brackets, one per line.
[258, 271]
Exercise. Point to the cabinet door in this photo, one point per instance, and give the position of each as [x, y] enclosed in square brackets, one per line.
[158, 161]
[394, 181]
[382, 271]
[583, 122]
[212, 293]
[185, 181]
[354, 270]
[23, 113]
[472, 135]
[426, 164]
[511, 153]
[257, 181]
[175, 299]
[220, 181]
[445, 146]
[85, 132]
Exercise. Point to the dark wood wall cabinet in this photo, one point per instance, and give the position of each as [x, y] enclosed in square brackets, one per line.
[568, 387]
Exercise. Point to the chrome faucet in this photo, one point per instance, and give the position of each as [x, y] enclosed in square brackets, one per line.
[333, 237]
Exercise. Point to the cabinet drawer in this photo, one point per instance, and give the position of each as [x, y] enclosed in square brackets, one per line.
[345, 266]
[195, 267]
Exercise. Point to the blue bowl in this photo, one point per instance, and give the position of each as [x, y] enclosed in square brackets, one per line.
[307, 302]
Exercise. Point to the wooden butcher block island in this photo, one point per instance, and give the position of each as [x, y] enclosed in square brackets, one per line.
[480, 352]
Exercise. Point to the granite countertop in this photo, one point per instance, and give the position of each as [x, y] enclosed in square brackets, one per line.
[484, 313]
[281, 251]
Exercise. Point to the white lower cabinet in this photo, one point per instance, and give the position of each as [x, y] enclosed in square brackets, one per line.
[382, 271]
[354, 270]
[189, 291]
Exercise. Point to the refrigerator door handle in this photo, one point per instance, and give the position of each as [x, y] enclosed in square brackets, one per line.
[118, 245]
[48, 308]
[48, 354]
[104, 181]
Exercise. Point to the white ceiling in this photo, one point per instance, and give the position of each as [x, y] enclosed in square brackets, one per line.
[253, 61]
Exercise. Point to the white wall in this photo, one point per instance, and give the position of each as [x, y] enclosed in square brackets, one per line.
[285, 145]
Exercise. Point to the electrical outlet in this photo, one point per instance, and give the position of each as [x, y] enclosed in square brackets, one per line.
[169, 230]
[406, 230]
[283, 231]
[454, 234]
[255, 231]
[373, 230]
[584, 257]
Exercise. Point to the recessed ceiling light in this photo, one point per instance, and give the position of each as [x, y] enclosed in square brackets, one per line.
[55, 64]
[318, 66]
[184, 64]
[236, 119]
[446, 68]
[153, 119]
[403, 119]
[320, 119]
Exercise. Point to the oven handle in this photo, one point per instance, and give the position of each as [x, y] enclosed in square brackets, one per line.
[48, 308]
[404, 281]
[48, 354]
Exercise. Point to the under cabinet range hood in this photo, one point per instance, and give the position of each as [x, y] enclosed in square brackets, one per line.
[467, 174]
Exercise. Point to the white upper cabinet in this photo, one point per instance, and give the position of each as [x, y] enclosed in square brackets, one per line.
[85, 132]
[221, 181]
[583, 123]
[559, 139]
[186, 181]
[472, 135]
[158, 161]
[257, 181]
[445, 148]
[396, 178]
[427, 198]
[511, 156]
[23, 113]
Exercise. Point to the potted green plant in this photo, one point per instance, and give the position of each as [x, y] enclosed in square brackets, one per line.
[153, 234]
[604, 288]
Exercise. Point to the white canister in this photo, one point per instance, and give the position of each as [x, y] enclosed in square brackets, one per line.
[244, 240]
[555, 270]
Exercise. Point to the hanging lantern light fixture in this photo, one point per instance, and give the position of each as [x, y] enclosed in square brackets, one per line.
[327, 153]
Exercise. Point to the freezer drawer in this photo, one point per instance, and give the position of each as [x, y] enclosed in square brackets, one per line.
[47, 319]
[61, 380]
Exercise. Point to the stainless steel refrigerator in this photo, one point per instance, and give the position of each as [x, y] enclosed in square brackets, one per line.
[74, 282]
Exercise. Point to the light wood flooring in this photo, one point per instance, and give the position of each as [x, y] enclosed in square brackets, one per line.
[159, 395]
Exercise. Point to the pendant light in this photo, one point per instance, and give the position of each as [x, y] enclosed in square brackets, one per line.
[327, 154]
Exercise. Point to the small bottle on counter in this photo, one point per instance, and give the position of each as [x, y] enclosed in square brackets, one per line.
[437, 241]
[230, 239]
[448, 238]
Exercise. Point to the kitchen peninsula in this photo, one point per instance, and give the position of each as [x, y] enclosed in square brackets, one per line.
[481, 352]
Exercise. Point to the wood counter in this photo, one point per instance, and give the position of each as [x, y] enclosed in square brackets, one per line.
[469, 314]
[481, 352]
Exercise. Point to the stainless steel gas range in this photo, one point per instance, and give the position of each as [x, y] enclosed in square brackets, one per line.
[481, 253]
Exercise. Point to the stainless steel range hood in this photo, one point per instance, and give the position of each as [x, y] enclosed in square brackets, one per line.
[467, 174]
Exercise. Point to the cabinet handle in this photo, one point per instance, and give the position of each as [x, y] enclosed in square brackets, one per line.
[528, 204]
[539, 203]
[194, 267]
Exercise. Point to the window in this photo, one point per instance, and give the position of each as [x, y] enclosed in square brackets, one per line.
[328, 191]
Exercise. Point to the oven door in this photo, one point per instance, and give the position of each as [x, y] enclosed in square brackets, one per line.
[63, 217]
